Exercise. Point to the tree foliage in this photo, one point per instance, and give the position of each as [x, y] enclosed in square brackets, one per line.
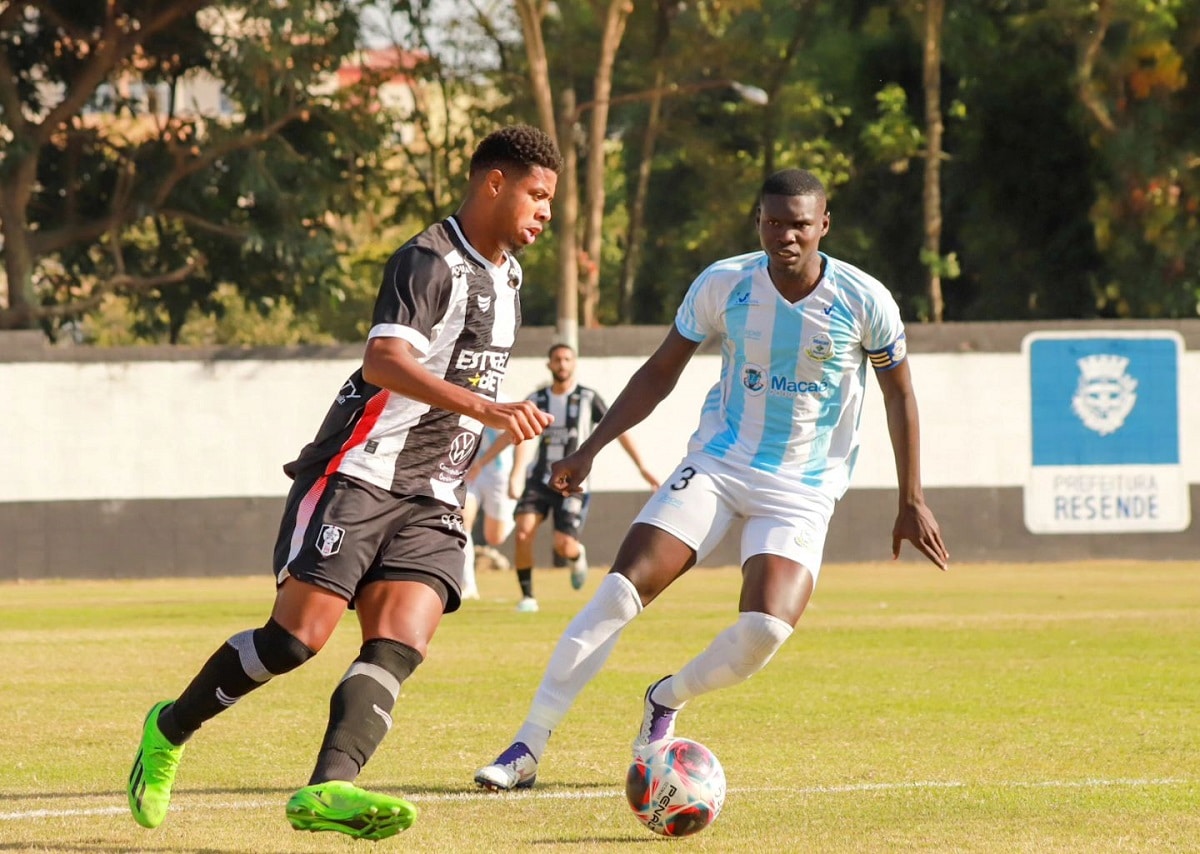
[113, 180]
[1069, 173]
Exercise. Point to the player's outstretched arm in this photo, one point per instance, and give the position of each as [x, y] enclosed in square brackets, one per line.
[486, 456]
[646, 389]
[914, 521]
[391, 363]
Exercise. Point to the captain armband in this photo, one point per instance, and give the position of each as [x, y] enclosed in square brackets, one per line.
[890, 356]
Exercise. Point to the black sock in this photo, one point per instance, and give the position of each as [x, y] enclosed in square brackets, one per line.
[246, 661]
[525, 579]
[361, 706]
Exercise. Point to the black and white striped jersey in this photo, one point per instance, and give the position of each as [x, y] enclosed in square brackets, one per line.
[460, 313]
[576, 414]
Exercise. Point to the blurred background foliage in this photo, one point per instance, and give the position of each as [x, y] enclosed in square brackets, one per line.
[131, 213]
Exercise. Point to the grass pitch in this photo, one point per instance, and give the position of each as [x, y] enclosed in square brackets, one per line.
[1032, 707]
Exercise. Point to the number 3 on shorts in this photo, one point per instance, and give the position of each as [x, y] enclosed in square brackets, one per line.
[685, 477]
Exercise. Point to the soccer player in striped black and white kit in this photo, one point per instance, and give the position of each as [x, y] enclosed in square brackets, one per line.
[774, 451]
[372, 519]
[576, 410]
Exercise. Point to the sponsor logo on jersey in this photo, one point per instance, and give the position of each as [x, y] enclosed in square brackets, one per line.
[453, 522]
[489, 367]
[782, 386]
[461, 448]
[820, 348]
[754, 378]
[329, 540]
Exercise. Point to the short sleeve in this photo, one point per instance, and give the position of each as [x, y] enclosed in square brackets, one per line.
[413, 297]
[695, 318]
[599, 408]
[884, 337]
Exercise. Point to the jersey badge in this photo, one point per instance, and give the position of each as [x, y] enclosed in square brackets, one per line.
[329, 540]
[820, 348]
[754, 378]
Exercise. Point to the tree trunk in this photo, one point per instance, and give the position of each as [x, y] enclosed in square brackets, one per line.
[566, 204]
[567, 195]
[531, 13]
[934, 14]
[614, 31]
[17, 312]
[637, 206]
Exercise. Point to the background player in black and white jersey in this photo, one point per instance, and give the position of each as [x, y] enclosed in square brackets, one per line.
[576, 410]
[372, 520]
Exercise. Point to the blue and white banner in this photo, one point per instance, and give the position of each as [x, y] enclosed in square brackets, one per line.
[1105, 454]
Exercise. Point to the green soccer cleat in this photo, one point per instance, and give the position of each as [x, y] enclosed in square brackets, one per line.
[341, 806]
[153, 772]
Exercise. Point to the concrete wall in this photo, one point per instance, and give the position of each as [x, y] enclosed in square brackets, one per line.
[162, 461]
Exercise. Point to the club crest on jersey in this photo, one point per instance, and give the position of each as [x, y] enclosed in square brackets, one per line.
[329, 540]
[754, 378]
[484, 302]
[461, 447]
[820, 348]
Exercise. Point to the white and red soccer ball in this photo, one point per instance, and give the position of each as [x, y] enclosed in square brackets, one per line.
[676, 787]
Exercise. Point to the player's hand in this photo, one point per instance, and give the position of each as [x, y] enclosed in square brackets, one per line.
[567, 474]
[520, 420]
[916, 524]
[472, 473]
[650, 479]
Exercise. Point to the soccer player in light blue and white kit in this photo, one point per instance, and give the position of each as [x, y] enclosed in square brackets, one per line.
[776, 445]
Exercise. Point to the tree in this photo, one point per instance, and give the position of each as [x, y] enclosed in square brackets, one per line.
[115, 180]
[932, 196]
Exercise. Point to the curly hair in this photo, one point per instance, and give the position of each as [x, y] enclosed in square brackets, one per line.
[519, 146]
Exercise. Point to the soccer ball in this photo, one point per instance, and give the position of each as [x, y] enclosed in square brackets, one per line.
[676, 787]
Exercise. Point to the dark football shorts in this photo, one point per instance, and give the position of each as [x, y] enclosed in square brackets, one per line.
[341, 533]
[569, 512]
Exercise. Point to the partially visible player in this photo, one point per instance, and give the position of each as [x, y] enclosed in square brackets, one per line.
[577, 410]
[487, 495]
[774, 451]
[372, 520]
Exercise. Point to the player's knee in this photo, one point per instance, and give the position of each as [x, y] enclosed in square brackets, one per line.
[758, 637]
[277, 649]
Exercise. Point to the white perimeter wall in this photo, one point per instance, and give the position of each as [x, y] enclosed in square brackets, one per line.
[181, 429]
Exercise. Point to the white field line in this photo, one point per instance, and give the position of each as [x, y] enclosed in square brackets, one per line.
[25, 815]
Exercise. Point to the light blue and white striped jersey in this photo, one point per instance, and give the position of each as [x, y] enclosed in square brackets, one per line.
[791, 390]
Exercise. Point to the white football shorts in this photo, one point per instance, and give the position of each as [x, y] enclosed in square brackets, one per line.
[491, 491]
[703, 496]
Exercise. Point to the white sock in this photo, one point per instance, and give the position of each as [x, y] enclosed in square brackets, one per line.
[581, 652]
[468, 573]
[734, 656]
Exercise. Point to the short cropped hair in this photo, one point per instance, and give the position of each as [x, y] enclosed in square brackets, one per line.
[561, 345]
[516, 146]
[792, 182]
